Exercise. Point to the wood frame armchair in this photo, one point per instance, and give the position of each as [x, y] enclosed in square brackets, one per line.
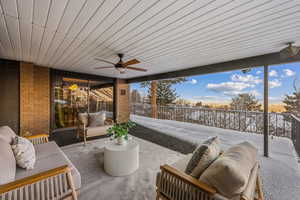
[53, 184]
[38, 139]
[83, 131]
[174, 184]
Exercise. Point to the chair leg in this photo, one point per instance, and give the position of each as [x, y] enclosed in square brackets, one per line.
[84, 137]
[259, 188]
[70, 179]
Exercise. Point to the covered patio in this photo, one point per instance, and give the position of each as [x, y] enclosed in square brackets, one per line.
[56, 56]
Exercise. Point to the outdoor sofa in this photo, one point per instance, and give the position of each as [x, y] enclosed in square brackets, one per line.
[173, 183]
[53, 177]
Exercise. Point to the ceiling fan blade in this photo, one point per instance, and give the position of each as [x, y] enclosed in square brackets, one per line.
[137, 69]
[99, 59]
[103, 67]
[131, 62]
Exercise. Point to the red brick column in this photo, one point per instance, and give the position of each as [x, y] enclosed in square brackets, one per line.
[121, 101]
[34, 98]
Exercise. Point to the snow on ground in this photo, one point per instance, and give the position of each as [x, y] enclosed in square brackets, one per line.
[280, 172]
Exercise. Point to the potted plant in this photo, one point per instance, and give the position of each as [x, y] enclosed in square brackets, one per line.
[120, 131]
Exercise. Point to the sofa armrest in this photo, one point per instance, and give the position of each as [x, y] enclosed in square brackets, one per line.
[49, 181]
[38, 139]
[188, 179]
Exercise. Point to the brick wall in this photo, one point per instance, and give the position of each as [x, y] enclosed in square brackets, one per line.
[122, 101]
[34, 98]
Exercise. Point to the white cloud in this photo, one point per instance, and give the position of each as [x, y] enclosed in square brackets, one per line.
[274, 83]
[273, 73]
[289, 72]
[258, 72]
[246, 78]
[275, 99]
[193, 81]
[229, 86]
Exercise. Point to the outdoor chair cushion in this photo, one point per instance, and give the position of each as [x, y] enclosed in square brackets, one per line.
[182, 163]
[203, 156]
[96, 131]
[230, 173]
[97, 119]
[24, 152]
[8, 163]
[53, 158]
[7, 134]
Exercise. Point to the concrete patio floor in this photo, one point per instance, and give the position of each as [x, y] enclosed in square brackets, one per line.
[280, 172]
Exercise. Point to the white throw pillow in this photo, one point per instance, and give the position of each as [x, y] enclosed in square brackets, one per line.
[24, 152]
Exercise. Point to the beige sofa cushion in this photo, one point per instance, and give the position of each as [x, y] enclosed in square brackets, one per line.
[7, 163]
[229, 174]
[49, 156]
[203, 156]
[7, 134]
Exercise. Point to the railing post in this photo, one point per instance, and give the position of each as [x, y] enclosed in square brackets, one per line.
[266, 105]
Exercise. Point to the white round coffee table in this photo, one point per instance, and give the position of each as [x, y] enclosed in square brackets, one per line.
[121, 160]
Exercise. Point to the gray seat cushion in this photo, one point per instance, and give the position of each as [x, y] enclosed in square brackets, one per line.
[182, 163]
[7, 134]
[49, 156]
[7, 163]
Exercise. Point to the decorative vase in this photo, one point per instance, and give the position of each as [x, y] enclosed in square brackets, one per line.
[121, 140]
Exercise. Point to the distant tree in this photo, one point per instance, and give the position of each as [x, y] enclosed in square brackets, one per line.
[199, 104]
[183, 102]
[245, 102]
[292, 102]
[165, 93]
[135, 97]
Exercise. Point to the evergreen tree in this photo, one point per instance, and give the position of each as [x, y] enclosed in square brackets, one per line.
[165, 93]
[293, 101]
[245, 102]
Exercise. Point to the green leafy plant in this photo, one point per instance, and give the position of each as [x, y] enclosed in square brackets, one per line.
[121, 130]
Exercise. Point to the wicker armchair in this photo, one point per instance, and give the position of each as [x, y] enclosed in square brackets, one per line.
[53, 184]
[173, 184]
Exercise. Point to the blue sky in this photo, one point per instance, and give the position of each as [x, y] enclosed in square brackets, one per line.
[221, 87]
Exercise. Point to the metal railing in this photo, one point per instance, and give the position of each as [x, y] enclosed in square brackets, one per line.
[295, 134]
[280, 124]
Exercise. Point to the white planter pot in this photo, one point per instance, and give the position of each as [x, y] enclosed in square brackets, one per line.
[121, 141]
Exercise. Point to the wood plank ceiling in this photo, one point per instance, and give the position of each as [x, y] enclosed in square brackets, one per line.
[165, 35]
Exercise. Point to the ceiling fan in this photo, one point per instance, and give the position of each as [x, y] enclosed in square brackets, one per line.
[121, 66]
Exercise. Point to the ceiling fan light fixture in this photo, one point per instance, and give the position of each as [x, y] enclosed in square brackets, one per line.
[289, 51]
[122, 70]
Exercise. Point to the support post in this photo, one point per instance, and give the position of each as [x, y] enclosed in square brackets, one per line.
[153, 99]
[266, 110]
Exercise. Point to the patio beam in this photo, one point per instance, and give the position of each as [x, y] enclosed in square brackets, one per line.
[266, 111]
[250, 62]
